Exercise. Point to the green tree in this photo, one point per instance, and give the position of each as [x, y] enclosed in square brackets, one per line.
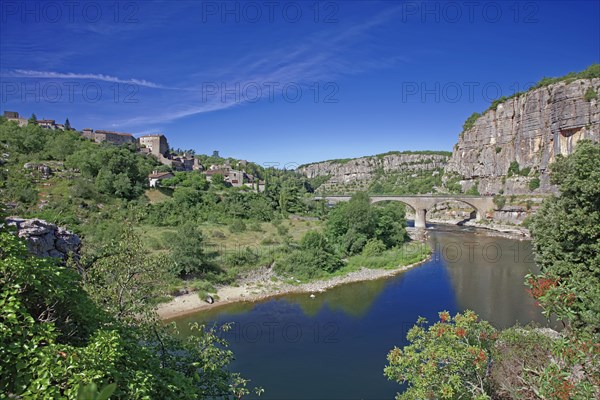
[391, 224]
[351, 224]
[32, 120]
[187, 250]
[55, 343]
[125, 282]
[218, 181]
[447, 360]
[566, 232]
[315, 258]
[67, 125]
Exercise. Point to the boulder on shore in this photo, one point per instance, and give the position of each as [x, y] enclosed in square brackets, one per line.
[45, 239]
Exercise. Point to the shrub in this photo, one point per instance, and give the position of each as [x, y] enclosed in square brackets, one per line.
[237, 226]
[498, 150]
[203, 288]
[516, 354]
[470, 122]
[447, 360]
[513, 169]
[308, 264]
[528, 204]
[282, 230]
[373, 247]
[525, 171]
[590, 94]
[242, 258]
[534, 183]
[499, 201]
[314, 258]
[473, 190]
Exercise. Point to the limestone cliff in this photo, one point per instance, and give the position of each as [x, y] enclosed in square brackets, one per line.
[530, 129]
[359, 173]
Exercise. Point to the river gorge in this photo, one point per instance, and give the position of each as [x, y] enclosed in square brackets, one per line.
[335, 344]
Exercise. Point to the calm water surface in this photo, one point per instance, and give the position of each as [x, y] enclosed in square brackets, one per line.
[334, 346]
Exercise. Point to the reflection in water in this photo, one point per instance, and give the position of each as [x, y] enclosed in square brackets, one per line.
[487, 275]
[335, 345]
[354, 299]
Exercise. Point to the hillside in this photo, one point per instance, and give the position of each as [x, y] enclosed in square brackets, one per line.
[509, 147]
[393, 172]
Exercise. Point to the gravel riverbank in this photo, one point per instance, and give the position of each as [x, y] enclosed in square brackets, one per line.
[260, 286]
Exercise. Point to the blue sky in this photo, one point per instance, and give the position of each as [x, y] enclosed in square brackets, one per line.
[285, 82]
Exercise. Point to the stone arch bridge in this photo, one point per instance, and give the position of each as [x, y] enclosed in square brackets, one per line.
[423, 203]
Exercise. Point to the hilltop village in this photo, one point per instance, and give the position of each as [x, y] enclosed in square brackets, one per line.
[156, 145]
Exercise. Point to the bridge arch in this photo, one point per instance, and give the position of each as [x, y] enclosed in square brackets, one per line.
[375, 201]
[423, 203]
[420, 219]
[478, 212]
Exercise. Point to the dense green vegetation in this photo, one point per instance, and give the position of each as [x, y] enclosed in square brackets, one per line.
[88, 329]
[63, 334]
[459, 346]
[567, 233]
[470, 122]
[352, 229]
[464, 357]
[93, 188]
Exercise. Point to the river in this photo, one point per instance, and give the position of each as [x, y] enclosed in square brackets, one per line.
[334, 346]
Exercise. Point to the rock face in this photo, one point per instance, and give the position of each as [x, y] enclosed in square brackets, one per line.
[45, 239]
[364, 169]
[531, 129]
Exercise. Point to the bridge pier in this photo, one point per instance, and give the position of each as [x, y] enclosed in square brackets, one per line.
[422, 203]
[420, 221]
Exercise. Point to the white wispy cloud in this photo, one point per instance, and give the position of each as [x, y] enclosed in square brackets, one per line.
[319, 58]
[22, 73]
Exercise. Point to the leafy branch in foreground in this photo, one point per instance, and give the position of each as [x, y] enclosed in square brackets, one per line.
[446, 360]
[55, 341]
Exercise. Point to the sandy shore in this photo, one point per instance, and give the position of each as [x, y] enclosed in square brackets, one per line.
[263, 288]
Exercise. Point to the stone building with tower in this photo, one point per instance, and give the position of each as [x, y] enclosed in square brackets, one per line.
[155, 144]
[15, 117]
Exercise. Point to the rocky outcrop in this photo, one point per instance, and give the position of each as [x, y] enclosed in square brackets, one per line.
[45, 239]
[530, 129]
[365, 169]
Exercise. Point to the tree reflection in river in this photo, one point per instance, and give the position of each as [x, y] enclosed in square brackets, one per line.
[335, 345]
[487, 274]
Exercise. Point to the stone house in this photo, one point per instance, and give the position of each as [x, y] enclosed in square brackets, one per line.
[88, 133]
[156, 177]
[234, 177]
[117, 138]
[47, 124]
[14, 117]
